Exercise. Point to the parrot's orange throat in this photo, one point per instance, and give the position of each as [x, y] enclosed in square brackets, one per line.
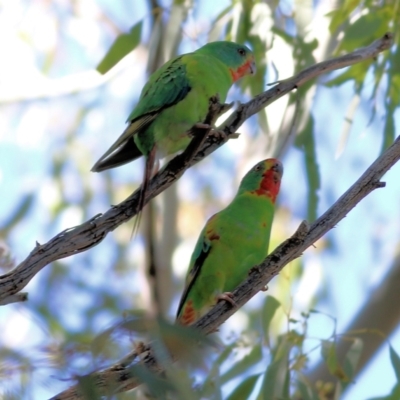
[249, 68]
[270, 185]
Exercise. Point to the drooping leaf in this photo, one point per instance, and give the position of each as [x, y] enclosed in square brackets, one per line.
[366, 28]
[157, 386]
[347, 124]
[341, 14]
[329, 355]
[305, 141]
[389, 130]
[395, 360]
[269, 308]
[122, 46]
[19, 214]
[306, 390]
[352, 358]
[244, 364]
[244, 389]
[277, 375]
[392, 98]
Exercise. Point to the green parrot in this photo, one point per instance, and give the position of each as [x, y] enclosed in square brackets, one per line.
[233, 240]
[175, 98]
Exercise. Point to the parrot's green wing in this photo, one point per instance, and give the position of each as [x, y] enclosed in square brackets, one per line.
[200, 254]
[166, 87]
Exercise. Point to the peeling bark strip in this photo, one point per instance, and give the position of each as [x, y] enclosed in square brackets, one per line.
[82, 237]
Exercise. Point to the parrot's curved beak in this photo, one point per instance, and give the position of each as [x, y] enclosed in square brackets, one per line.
[252, 67]
[248, 68]
[277, 169]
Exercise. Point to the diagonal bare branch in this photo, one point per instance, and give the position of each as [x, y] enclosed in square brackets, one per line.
[82, 237]
[119, 374]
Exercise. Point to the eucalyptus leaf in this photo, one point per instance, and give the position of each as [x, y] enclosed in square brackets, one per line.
[122, 46]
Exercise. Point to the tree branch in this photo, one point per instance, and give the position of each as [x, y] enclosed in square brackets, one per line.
[120, 375]
[82, 237]
[15, 298]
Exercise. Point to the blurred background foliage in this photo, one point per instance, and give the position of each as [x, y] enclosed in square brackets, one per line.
[59, 114]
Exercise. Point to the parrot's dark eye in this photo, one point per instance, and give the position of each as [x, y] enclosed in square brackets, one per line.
[242, 51]
[258, 167]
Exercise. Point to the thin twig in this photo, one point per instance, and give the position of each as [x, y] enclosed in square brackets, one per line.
[15, 298]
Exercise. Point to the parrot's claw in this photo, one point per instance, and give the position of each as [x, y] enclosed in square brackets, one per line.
[227, 296]
[264, 289]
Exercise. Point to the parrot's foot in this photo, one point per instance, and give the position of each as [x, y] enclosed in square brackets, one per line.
[200, 125]
[264, 289]
[216, 108]
[219, 134]
[227, 296]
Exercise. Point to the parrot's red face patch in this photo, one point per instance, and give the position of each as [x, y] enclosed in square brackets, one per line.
[248, 68]
[271, 181]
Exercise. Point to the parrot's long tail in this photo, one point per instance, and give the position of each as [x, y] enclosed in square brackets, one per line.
[148, 171]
